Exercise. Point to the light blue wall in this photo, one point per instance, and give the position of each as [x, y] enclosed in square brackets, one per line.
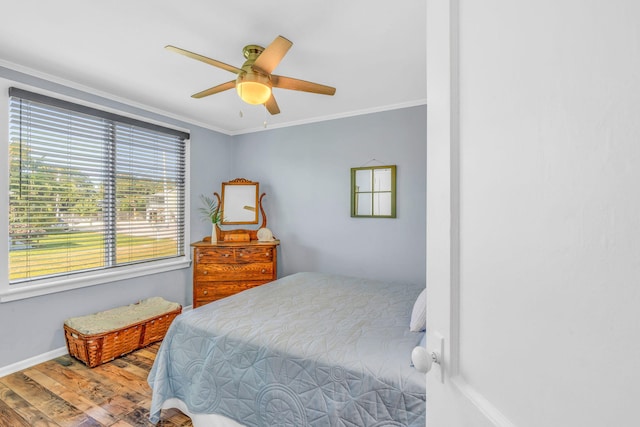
[305, 171]
[33, 326]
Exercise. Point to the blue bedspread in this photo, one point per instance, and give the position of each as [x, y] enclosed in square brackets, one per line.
[309, 349]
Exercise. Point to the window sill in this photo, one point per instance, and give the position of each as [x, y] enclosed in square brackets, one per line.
[83, 280]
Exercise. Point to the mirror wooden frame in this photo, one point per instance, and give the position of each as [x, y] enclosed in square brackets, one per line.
[246, 203]
[239, 202]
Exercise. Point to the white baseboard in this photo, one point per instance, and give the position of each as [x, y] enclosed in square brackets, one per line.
[482, 404]
[44, 357]
[32, 361]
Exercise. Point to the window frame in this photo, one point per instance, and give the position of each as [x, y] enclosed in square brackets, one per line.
[44, 286]
[373, 192]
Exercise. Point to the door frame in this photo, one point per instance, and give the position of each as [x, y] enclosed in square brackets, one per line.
[443, 217]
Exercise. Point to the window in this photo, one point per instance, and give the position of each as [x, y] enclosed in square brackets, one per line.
[373, 192]
[90, 190]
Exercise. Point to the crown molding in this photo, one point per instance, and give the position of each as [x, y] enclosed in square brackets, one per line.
[134, 104]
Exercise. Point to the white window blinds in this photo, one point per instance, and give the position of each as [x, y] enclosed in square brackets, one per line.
[90, 189]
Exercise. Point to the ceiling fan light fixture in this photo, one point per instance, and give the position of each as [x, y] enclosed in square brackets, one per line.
[253, 88]
[253, 93]
[255, 81]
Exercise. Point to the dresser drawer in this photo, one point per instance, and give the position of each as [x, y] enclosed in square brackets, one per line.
[211, 291]
[254, 254]
[222, 272]
[215, 255]
[234, 255]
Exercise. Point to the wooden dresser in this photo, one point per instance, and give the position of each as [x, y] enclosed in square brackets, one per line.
[226, 268]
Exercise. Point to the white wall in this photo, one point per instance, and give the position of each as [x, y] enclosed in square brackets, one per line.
[549, 206]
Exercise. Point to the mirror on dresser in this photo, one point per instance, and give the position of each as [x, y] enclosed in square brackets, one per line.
[240, 205]
[240, 202]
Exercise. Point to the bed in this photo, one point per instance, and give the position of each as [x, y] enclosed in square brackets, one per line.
[308, 349]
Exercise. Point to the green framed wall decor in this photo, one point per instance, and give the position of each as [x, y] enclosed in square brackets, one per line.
[373, 192]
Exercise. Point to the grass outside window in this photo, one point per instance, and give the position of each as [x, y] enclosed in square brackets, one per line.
[84, 252]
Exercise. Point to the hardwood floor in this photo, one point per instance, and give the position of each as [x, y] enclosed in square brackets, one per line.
[64, 392]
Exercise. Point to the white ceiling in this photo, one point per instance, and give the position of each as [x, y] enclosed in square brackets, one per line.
[373, 52]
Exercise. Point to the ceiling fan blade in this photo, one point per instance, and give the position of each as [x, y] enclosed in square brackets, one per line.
[204, 59]
[302, 85]
[272, 105]
[215, 89]
[272, 55]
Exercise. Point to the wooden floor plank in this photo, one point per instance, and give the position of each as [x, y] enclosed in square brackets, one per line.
[81, 402]
[140, 417]
[141, 361]
[176, 417]
[148, 352]
[9, 417]
[78, 382]
[29, 410]
[120, 373]
[26, 411]
[65, 413]
[129, 365]
[65, 392]
[122, 423]
[120, 405]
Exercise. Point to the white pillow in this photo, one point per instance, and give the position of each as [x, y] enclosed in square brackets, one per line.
[419, 314]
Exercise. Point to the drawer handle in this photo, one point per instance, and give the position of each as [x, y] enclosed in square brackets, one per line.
[267, 253]
[264, 270]
[205, 272]
[226, 255]
[206, 292]
[240, 254]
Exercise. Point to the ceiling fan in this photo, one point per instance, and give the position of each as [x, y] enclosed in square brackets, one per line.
[254, 80]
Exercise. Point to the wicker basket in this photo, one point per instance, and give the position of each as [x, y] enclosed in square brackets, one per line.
[98, 348]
